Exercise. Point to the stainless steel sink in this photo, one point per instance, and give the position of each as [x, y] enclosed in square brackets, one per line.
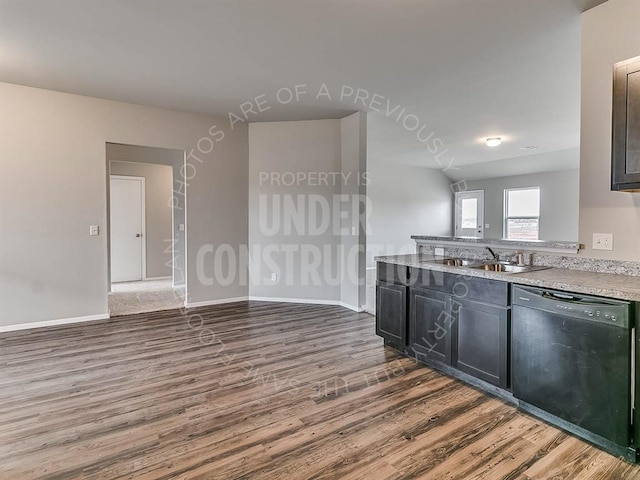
[488, 265]
[454, 262]
[507, 267]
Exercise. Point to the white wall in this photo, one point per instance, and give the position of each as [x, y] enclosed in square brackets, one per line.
[53, 186]
[610, 33]
[405, 201]
[559, 203]
[158, 190]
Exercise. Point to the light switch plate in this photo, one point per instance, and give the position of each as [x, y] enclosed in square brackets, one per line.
[603, 241]
[94, 230]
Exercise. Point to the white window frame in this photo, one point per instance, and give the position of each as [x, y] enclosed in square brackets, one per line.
[506, 217]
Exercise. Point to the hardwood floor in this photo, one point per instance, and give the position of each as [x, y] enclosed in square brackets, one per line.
[258, 390]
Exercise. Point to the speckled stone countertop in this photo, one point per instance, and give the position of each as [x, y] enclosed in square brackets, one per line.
[501, 242]
[624, 287]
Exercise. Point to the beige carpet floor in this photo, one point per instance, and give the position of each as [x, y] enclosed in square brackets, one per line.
[146, 296]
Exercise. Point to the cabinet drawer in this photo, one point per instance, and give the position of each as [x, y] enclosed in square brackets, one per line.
[431, 279]
[483, 290]
[392, 273]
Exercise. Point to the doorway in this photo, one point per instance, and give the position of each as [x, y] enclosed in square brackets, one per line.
[146, 229]
[469, 214]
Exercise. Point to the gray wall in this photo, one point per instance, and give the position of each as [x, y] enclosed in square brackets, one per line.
[559, 192]
[53, 187]
[280, 147]
[332, 147]
[405, 201]
[610, 34]
[158, 221]
[353, 153]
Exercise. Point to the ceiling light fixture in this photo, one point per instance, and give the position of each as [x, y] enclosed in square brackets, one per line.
[493, 141]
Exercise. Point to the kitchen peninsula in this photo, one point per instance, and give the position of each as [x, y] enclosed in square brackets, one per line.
[556, 342]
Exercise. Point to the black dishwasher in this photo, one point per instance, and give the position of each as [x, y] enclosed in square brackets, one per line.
[571, 357]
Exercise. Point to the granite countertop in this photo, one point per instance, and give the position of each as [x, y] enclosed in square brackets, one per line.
[612, 285]
[501, 242]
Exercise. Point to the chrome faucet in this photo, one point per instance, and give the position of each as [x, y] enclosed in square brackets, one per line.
[493, 254]
[517, 259]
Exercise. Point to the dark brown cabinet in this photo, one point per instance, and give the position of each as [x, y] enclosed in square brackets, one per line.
[480, 340]
[446, 320]
[391, 304]
[625, 153]
[391, 313]
[430, 324]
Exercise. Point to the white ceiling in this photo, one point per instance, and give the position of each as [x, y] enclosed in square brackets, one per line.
[467, 69]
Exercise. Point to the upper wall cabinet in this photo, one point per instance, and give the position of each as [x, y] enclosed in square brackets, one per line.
[625, 156]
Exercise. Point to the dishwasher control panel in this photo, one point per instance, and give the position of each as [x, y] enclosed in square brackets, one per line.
[602, 310]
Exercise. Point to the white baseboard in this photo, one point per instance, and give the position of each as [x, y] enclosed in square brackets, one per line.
[53, 323]
[351, 307]
[151, 279]
[105, 316]
[221, 301]
[306, 301]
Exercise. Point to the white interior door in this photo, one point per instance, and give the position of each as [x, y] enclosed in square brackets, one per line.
[127, 228]
[469, 215]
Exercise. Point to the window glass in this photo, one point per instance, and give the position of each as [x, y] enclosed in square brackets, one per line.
[522, 214]
[469, 215]
[523, 203]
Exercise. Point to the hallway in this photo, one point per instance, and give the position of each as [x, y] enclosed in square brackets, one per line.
[127, 298]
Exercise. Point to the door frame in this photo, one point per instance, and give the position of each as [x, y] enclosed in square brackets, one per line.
[456, 227]
[181, 165]
[143, 220]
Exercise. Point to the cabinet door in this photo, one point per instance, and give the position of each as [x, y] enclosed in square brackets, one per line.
[625, 155]
[481, 340]
[430, 324]
[391, 313]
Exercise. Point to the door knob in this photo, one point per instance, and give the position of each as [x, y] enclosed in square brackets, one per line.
[138, 235]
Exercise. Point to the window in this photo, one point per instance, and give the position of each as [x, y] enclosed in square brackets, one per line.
[522, 213]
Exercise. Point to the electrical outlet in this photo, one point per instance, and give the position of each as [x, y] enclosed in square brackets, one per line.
[486, 225]
[94, 230]
[438, 251]
[274, 277]
[603, 241]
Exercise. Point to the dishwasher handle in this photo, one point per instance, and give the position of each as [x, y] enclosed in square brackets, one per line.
[527, 295]
[563, 297]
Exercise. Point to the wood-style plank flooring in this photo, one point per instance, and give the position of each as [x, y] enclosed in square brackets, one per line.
[259, 390]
